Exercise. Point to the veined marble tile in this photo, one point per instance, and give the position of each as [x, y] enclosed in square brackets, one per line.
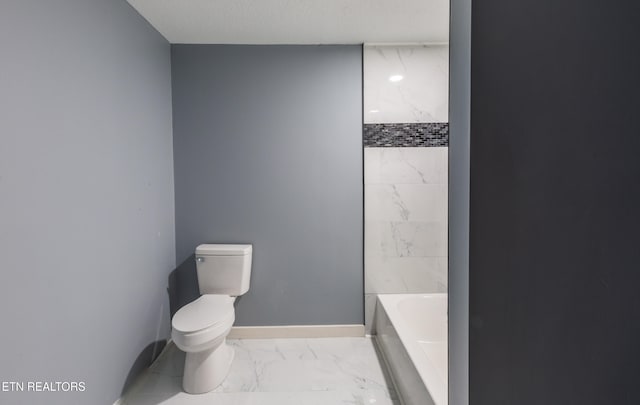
[304, 364]
[266, 398]
[422, 93]
[398, 275]
[277, 371]
[405, 202]
[406, 165]
[405, 239]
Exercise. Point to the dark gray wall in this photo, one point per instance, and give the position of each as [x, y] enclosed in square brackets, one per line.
[86, 196]
[459, 123]
[268, 151]
[555, 197]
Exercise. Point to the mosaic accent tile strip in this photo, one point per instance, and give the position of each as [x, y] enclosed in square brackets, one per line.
[406, 135]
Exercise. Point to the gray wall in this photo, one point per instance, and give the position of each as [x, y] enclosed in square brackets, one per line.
[86, 195]
[555, 197]
[459, 141]
[268, 151]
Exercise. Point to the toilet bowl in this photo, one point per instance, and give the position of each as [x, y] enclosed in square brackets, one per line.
[200, 328]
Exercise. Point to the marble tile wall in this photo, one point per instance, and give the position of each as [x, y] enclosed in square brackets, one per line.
[405, 179]
[405, 220]
[404, 84]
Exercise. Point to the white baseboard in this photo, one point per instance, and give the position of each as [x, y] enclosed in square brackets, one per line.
[295, 331]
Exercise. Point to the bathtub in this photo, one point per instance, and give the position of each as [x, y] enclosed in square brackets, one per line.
[411, 331]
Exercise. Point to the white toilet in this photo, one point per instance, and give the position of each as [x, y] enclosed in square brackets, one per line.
[200, 328]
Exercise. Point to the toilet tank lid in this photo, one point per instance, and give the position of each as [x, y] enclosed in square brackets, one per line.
[223, 250]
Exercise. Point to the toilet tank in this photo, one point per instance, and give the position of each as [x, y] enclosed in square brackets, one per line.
[223, 269]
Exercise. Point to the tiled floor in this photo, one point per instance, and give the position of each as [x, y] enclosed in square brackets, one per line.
[278, 372]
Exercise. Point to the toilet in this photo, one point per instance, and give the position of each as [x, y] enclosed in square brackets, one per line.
[200, 328]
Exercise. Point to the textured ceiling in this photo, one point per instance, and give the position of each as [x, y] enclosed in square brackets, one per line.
[297, 21]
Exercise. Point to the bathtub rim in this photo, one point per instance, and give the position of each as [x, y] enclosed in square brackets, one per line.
[436, 385]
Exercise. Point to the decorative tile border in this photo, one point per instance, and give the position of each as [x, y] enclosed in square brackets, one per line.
[406, 134]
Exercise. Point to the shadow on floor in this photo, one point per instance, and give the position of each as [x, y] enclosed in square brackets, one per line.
[148, 355]
[182, 289]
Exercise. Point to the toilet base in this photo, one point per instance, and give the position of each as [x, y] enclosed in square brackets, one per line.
[204, 371]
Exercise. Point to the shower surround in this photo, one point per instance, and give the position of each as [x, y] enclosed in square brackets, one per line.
[406, 138]
[406, 169]
[405, 220]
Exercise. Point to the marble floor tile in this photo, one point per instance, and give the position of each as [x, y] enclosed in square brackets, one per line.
[278, 371]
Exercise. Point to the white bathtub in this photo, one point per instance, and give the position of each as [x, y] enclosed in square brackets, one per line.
[412, 332]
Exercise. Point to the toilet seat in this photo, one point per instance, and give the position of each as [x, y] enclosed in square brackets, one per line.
[203, 322]
[205, 312]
